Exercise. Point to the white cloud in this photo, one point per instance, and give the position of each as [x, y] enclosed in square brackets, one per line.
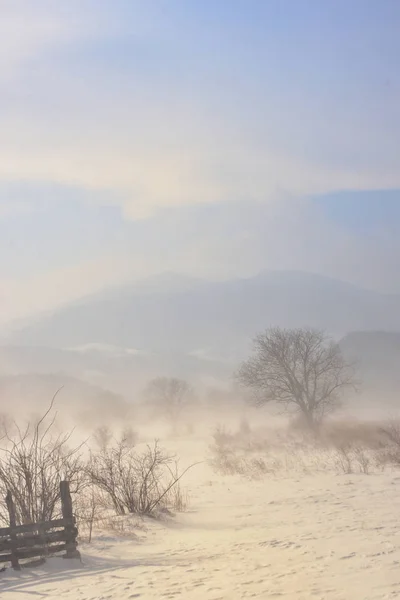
[147, 140]
[29, 29]
[149, 171]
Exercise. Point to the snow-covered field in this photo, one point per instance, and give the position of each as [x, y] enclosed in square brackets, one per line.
[290, 535]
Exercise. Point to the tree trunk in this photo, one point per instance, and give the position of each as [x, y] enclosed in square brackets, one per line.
[310, 420]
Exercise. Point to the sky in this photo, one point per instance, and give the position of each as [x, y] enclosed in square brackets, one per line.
[212, 138]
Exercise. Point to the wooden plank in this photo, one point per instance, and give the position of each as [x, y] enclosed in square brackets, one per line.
[11, 512]
[41, 534]
[46, 525]
[33, 552]
[29, 540]
[66, 506]
[33, 563]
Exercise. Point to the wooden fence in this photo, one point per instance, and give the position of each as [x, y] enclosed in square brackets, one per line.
[39, 540]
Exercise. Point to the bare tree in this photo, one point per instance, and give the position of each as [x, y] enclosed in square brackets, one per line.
[300, 369]
[170, 397]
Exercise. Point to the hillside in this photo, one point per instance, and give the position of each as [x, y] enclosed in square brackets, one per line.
[28, 395]
[377, 355]
[209, 319]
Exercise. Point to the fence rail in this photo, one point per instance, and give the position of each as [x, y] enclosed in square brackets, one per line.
[40, 539]
[32, 527]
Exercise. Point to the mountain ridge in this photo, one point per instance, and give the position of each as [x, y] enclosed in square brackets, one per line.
[219, 317]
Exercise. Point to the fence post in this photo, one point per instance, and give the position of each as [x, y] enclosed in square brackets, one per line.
[66, 504]
[13, 523]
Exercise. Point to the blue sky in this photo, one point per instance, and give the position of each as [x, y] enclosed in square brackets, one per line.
[209, 137]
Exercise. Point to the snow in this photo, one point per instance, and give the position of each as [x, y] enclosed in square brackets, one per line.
[288, 535]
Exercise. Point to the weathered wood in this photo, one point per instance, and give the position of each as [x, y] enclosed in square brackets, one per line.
[67, 512]
[26, 541]
[41, 535]
[38, 540]
[13, 522]
[33, 552]
[33, 563]
[45, 525]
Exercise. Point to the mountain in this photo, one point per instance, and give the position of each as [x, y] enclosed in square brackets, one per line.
[174, 315]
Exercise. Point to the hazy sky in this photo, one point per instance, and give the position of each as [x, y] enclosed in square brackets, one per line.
[211, 137]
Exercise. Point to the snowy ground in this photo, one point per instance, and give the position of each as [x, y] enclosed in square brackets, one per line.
[314, 536]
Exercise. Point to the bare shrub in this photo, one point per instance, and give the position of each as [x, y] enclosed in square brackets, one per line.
[225, 461]
[176, 498]
[104, 437]
[239, 454]
[362, 459]
[224, 458]
[32, 463]
[344, 459]
[350, 458]
[87, 512]
[221, 436]
[391, 432]
[258, 467]
[132, 481]
[388, 452]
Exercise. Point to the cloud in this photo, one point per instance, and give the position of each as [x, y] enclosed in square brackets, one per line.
[107, 103]
[28, 30]
[148, 171]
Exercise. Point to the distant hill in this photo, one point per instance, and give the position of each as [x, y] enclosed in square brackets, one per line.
[211, 320]
[27, 395]
[121, 370]
[377, 354]
[377, 357]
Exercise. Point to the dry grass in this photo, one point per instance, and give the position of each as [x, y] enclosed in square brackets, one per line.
[343, 447]
[353, 433]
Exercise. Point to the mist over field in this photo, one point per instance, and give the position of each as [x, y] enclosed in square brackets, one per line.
[104, 349]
